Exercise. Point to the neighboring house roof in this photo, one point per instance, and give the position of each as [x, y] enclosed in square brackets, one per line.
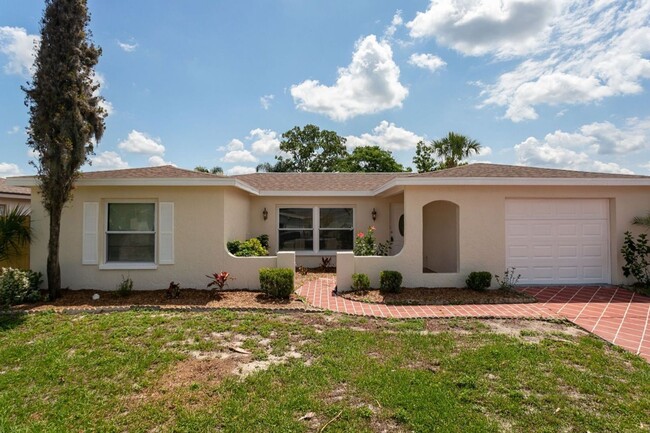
[350, 184]
[17, 191]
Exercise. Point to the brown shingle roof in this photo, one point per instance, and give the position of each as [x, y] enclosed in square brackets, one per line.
[316, 181]
[162, 172]
[515, 171]
[14, 190]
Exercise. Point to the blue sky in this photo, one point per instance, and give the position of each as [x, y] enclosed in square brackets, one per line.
[553, 83]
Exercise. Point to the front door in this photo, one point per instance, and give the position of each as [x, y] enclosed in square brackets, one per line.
[397, 227]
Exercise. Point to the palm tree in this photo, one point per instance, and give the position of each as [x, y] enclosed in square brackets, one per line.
[642, 221]
[454, 148]
[14, 232]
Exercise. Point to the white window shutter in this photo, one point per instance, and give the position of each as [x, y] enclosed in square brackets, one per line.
[166, 234]
[90, 248]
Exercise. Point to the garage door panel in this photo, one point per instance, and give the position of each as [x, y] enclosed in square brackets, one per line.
[558, 240]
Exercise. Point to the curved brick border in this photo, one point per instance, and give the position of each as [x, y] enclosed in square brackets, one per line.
[612, 313]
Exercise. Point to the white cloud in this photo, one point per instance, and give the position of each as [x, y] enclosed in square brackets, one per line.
[427, 61]
[107, 160]
[239, 156]
[265, 101]
[13, 130]
[139, 142]
[265, 141]
[240, 169]
[387, 136]
[9, 169]
[233, 145]
[129, 48]
[584, 148]
[596, 50]
[98, 78]
[394, 24]
[368, 85]
[157, 160]
[476, 27]
[31, 153]
[20, 49]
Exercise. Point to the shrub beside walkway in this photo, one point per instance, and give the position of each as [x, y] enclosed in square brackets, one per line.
[614, 314]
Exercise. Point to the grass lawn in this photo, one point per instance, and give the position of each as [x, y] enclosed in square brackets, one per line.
[250, 372]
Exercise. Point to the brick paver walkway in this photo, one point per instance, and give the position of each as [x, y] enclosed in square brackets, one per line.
[616, 315]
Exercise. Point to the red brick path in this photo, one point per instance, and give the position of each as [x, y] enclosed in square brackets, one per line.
[616, 315]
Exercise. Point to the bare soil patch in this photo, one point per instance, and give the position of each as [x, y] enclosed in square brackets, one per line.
[440, 296]
[83, 299]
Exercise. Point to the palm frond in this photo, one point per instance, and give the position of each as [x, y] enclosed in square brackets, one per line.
[15, 232]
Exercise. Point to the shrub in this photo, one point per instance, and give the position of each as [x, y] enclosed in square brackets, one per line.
[635, 253]
[17, 286]
[264, 240]
[509, 280]
[390, 281]
[125, 287]
[360, 282]
[219, 280]
[174, 290]
[365, 244]
[479, 280]
[249, 248]
[277, 282]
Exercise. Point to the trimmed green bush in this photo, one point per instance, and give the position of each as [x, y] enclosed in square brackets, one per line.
[17, 286]
[479, 280]
[360, 282]
[277, 282]
[249, 248]
[390, 281]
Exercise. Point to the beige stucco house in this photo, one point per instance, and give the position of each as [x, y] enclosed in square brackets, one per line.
[163, 223]
[13, 196]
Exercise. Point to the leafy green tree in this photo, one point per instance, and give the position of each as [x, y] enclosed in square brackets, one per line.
[454, 148]
[66, 116]
[424, 160]
[278, 167]
[213, 170]
[370, 159]
[15, 232]
[311, 149]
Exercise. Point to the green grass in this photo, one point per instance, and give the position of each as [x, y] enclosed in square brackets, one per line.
[136, 371]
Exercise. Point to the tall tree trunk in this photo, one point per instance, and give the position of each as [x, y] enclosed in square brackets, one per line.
[53, 268]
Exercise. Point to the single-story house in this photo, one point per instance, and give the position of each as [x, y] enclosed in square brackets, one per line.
[13, 196]
[160, 224]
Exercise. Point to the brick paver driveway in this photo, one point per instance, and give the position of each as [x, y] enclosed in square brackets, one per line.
[616, 315]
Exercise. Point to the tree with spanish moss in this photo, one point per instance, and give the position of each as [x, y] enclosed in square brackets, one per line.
[66, 115]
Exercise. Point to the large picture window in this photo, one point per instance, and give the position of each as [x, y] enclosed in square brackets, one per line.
[316, 229]
[131, 233]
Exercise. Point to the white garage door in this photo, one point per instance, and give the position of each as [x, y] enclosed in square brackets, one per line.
[558, 241]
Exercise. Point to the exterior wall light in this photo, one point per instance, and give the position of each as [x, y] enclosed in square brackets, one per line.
[265, 214]
[374, 214]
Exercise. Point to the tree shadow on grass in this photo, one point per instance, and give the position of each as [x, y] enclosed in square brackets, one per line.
[11, 319]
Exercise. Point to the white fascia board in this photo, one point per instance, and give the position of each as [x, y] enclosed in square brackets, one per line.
[15, 196]
[510, 181]
[31, 182]
[316, 193]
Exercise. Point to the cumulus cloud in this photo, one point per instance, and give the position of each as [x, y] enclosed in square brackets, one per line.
[139, 142]
[13, 130]
[240, 169]
[387, 136]
[9, 169]
[427, 61]
[20, 49]
[99, 78]
[394, 24]
[157, 160]
[368, 85]
[265, 141]
[239, 156]
[476, 27]
[129, 48]
[265, 101]
[596, 50]
[585, 148]
[107, 160]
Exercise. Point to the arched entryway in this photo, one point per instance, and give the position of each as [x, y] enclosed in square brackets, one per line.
[440, 251]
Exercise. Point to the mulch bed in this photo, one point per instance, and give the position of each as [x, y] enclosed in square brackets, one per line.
[439, 296]
[82, 299]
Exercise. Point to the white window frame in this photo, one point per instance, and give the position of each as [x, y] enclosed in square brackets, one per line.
[316, 227]
[130, 265]
[3, 209]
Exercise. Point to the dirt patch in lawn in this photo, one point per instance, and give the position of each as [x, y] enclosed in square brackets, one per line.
[83, 299]
[440, 296]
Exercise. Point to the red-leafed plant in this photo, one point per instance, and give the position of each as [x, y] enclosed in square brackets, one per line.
[219, 280]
